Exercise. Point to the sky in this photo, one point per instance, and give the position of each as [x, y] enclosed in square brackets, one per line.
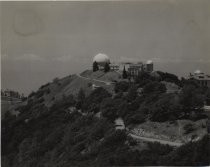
[44, 40]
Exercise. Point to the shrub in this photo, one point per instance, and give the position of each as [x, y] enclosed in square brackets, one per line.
[41, 100]
[115, 138]
[56, 80]
[92, 102]
[39, 93]
[64, 103]
[159, 148]
[48, 91]
[190, 154]
[132, 93]
[169, 78]
[135, 119]
[89, 84]
[31, 94]
[121, 86]
[191, 98]
[110, 108]
[154, 87]
[188, 128]
[43, 86]
[106, 67]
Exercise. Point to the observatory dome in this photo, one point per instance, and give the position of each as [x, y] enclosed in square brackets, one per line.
[101, 59]
[197, 72]
[149, 62]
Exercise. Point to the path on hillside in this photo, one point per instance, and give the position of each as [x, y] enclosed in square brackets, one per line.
[176, 144]
[105, 82]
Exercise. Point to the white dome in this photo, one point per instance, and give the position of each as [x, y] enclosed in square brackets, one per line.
[101, 59]
[149, 62]
[197, 72]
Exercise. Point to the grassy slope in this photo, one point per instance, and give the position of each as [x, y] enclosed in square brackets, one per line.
[72, 84]
[172, 131]
[100, 75]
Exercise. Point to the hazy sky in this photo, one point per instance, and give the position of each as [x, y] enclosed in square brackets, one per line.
[44, 40]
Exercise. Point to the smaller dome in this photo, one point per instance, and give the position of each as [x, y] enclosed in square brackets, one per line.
[197, 72]
[149, 62]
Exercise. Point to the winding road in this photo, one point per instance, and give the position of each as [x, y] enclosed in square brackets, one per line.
[175, 144]
[105, 82]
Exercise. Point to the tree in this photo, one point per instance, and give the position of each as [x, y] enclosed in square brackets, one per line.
[95, 66]
[190, 154]
[106, 67]
[111, 108]
[81, 95]
[154, 86]
[124, 75]
[191, 98]
[132, 93]
[80, 98]
[121, 86]
[169, 78]
[207, 96]
[56, 80]
[2, 93]
[92, 102]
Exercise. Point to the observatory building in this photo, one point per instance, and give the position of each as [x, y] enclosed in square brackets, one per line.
[101, 59]
[201, 78]
[149, 66]
[133, 68]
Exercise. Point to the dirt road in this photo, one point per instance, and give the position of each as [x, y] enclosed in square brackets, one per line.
[175, 144]
[105, 82]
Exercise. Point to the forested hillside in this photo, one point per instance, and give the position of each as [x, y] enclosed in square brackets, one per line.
[68, 132]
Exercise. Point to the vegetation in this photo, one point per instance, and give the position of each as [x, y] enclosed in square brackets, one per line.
[191, 154]
[111, 108]
[13, 94]
[95, 66]
[121, 86]
[92, 102]
[106, 67]
[80, 98]
[169, 78]
[154, 87]
[54, 136]
[124, 75]
[188, 128]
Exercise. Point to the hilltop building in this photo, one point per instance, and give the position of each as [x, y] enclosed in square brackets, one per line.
[133, 69]
[114, 66]
[101, 59]
[201, 78]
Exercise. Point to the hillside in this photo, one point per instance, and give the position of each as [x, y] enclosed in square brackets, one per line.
[100, 75]
[70, 85]
[9, 104]
[72, 122]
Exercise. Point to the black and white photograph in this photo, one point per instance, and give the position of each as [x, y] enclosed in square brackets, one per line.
[105, 83]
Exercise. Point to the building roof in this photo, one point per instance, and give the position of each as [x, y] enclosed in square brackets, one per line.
[197, 72]
[198, 75]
